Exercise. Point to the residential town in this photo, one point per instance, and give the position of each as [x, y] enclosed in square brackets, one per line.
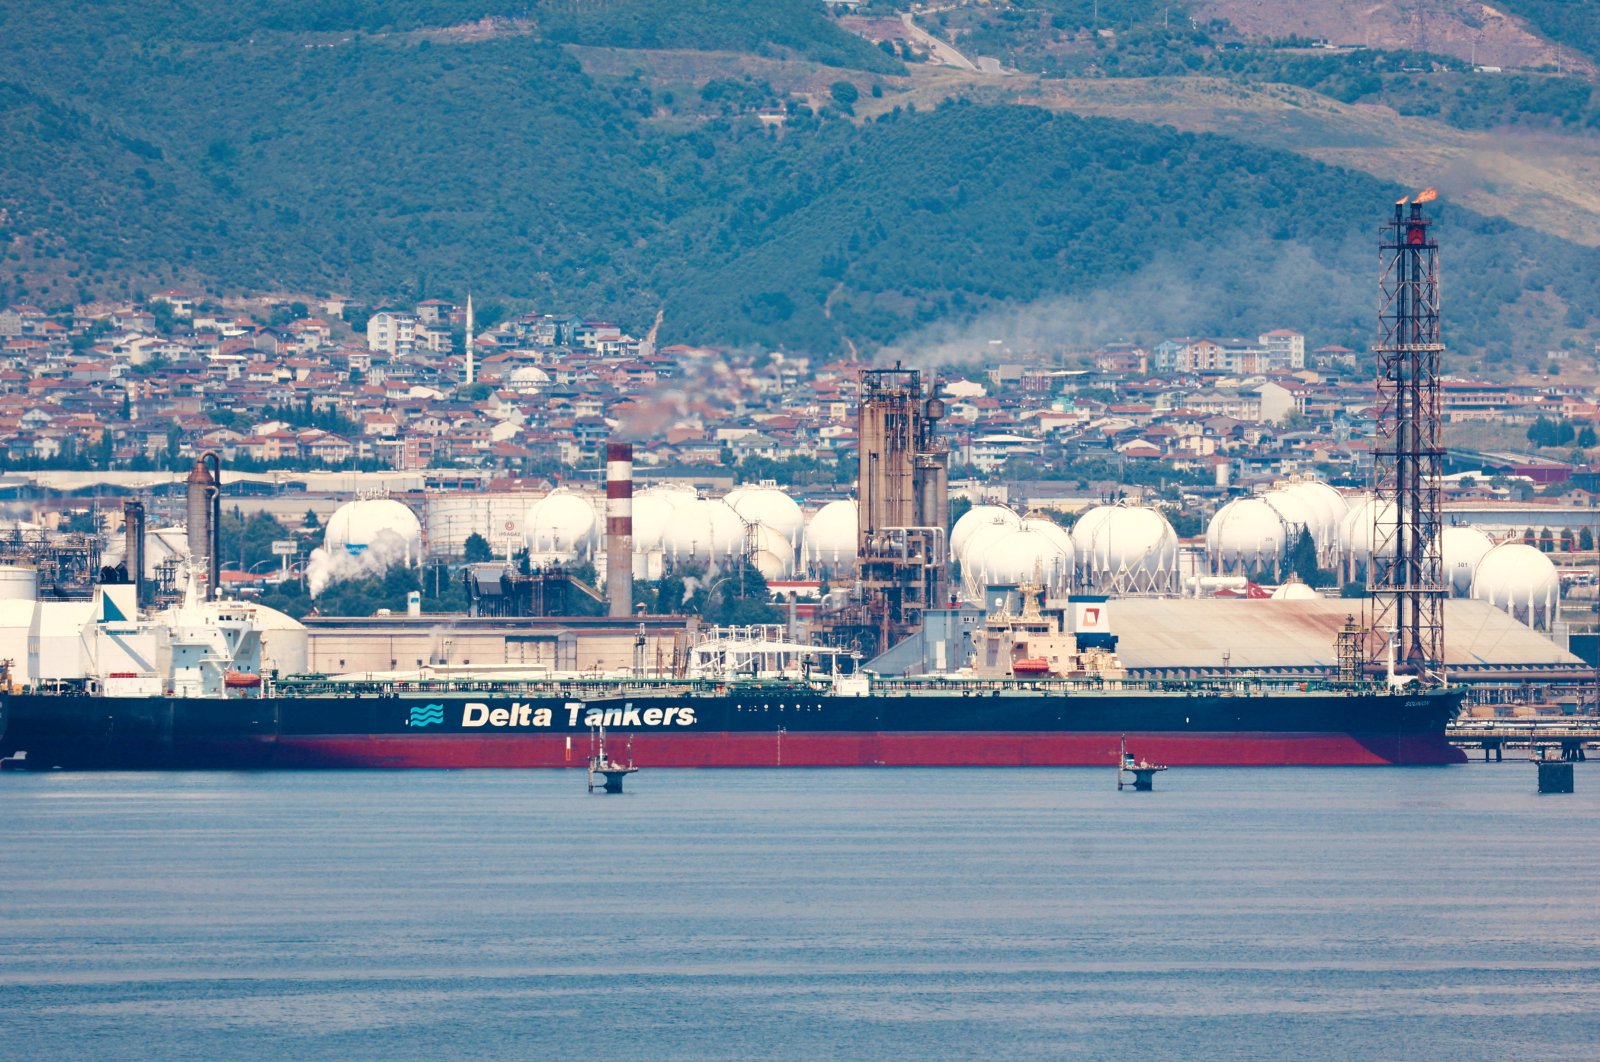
[285, 383]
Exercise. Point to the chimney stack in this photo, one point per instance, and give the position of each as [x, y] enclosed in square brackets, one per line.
[619, 529]
[205, 519]
[133, 546]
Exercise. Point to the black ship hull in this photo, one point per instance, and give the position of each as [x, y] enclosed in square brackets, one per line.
[735, 726]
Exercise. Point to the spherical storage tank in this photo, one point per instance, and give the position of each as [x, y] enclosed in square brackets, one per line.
[562, 526]
[1462, 548]
[1130, 550]
[1027, 556]
[1518, 579]
[979, 516]
[770, 507]
[773, 556]
[1246, 535]
[830, 538]
[358, 526]
[976, 553]
[1051, 530]
[1361, 534]
[1328, 507]
[1297, 513]
[703, 530]
[1083, 531]
[652, 515]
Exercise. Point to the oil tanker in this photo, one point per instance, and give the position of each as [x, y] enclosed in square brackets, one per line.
[1031, 697]
[733, 724]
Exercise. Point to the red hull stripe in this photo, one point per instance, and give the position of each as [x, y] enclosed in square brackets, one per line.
[943, 749]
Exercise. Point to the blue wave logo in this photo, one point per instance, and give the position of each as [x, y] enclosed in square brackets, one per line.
[426, 715]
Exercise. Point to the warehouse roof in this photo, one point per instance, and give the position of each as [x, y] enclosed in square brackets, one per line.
[1189, 633]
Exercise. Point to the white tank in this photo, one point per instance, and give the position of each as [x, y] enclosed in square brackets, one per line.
[1297, 513]
[1132, 550]
[727, 529]
[1518, 579]
[358, 526]
[976, 549]
[450, 518]
[1461, 549]
[18, 583]
[1051, 530]
[1330, 507]
[284, 641]
[1025, 556]
[1083, 531]
[830, 540]
[562, 526]
[652, 515]
[1361, 535]
[773, 556]
[770, 507]
[703, 530]
[1244, 536]
[675, 494]
[1294, 590]
[974, 518]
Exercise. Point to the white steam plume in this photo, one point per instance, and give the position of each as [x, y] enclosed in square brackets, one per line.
[386, 549]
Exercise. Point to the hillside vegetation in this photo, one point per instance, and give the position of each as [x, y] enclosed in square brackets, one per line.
[1574, 23]
[391, 166]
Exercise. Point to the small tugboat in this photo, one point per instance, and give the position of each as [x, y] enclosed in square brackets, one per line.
[611, 772]
[1143, 771]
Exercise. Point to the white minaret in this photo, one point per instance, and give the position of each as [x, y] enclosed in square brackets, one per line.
[472, 375]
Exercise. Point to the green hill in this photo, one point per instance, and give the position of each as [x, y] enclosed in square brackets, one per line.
[1574, 23]
[389, 164]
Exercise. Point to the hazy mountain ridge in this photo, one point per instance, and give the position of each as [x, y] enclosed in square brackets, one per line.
[389, 168]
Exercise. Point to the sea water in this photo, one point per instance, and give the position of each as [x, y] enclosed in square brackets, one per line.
[904, 913]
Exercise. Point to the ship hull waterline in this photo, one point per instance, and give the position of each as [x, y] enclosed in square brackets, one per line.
[304, 733]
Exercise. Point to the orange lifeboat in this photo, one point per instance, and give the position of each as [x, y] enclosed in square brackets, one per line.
[241, 680]
[1032, 667]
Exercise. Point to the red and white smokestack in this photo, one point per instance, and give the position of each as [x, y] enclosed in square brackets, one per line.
[619, 528]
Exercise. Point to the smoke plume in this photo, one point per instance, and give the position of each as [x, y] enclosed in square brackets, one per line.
[1180, 293]
[326, 567]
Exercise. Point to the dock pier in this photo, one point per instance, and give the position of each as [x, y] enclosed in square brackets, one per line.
[1568, 737]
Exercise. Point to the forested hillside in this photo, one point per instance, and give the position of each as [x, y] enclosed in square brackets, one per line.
[153, 148]
[1574, 23]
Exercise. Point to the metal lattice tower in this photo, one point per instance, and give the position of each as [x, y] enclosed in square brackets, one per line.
[1406, 574]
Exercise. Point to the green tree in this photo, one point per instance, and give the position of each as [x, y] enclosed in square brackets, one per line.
[1585, 539]
[477, 549]
[246, 542]
[845, 94]
[1302, 561]
[736, 597]
[1186, 523]
[959, 507]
